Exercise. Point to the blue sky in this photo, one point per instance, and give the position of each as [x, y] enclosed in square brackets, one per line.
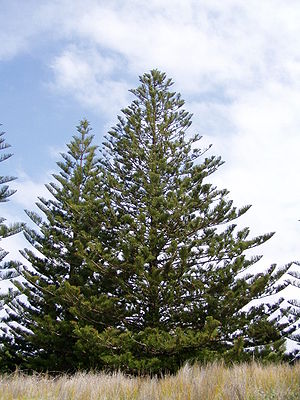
[236, 63]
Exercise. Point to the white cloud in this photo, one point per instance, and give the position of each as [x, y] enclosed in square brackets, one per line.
[263, 163]
[200, 43]
[13, 245]
[29, 190]
[227, 46]
[23, 25]
[86, 75]
[56, 151]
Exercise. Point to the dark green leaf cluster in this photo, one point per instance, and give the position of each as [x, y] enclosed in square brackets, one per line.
[138, 263]
[292, 313]
[7, 269]
[5, 194]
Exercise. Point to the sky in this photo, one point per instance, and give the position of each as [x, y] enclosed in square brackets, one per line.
[236, 63]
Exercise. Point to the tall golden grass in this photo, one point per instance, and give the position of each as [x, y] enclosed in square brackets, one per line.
[212, 382]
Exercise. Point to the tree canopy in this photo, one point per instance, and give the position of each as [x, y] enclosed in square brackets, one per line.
[139, 263]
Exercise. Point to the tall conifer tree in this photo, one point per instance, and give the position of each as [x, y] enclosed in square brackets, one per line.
[179, 260]
[59, 276]
[142, 266]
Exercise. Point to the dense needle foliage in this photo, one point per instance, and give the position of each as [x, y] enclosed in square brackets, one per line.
[141, 266]
[43, 337]
[7, 268]
[5, 193]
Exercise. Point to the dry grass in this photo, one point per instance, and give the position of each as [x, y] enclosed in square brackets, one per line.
[213, 382]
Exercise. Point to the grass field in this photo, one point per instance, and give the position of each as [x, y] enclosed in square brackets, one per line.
[213, 382]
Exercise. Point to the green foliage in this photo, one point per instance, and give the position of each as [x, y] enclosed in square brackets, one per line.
[179, 258]
[7, 269]
[292, 312]
[149, 351]
[58, 276]
[5, 193]
[141, 265]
